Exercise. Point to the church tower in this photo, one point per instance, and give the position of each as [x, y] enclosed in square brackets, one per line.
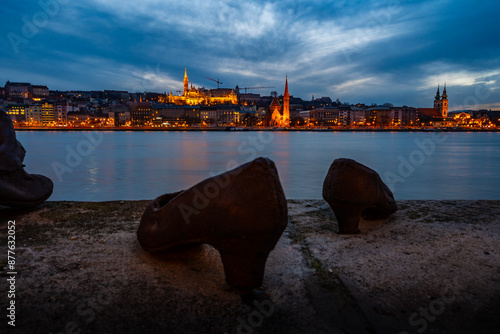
[437, 99]
[441, 103]
[286, 105]
[444, 103]
[186, 82]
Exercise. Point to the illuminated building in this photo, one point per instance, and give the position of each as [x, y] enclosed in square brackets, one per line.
[42, 113]
[17, 112]
[286, 105]
[407, 116]
[140, 113]
[280, 116]
[175, 114]
[61, 110]
[39, 91]
[34, 114]
[228, 114]
[440, 110]
[200, 96]
[357, 116]
[462, 119]
[47, 113]
[25, 90]
[328, 116]
[442, 102]
[186, 83]
[17, 89]
[120, 115]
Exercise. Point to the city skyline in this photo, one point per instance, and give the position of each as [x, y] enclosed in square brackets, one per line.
[395, 51]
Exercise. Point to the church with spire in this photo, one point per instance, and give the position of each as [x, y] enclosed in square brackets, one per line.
[440, 110]
[441, 102]
[278, 115]
[186, 82]
[200, 96]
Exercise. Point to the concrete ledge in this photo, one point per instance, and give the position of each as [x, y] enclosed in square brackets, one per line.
[432, 267]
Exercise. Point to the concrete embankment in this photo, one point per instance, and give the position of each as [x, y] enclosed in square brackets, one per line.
[433, 267]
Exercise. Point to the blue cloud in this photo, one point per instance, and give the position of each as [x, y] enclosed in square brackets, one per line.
[358, 51]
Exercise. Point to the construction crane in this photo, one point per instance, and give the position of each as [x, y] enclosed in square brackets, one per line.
[246, 88]
[218, 81]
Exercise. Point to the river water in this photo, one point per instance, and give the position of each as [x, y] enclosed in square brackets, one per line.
[101, 166]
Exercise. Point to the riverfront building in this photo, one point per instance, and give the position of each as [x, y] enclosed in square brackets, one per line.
[278, 115]
[200, 96]
[440, 110]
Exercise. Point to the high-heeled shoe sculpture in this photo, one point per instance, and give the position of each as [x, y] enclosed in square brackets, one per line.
[18, 188]
[241, 213]
[354, 191]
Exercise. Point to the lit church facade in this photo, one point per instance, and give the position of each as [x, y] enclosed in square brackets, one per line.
[200, 96]
[279, 116]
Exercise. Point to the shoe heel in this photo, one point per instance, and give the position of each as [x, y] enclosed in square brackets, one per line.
[244, 270]
[348, 219]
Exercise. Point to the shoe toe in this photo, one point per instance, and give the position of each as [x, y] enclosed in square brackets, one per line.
[23, 189]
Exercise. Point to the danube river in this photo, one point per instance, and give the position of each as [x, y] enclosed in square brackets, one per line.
[102, 166]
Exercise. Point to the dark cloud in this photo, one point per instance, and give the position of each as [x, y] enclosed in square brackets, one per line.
[358, 51]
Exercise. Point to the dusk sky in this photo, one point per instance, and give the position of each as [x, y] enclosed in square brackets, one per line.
[356, 51]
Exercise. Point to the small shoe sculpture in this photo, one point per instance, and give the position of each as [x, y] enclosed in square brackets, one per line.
[241, 213]
[18, 188]
[354, 191]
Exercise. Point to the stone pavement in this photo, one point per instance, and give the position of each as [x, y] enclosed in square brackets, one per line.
[432, 267]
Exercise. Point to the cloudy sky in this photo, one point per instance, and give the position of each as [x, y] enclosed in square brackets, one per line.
[358, 51]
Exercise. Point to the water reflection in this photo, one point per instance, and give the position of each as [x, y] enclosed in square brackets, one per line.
[143, 165]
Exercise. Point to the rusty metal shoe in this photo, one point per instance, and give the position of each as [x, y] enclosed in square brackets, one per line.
[11, 151]
[22, 189]
[18, 188]
[241, 213]
[353, 191]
